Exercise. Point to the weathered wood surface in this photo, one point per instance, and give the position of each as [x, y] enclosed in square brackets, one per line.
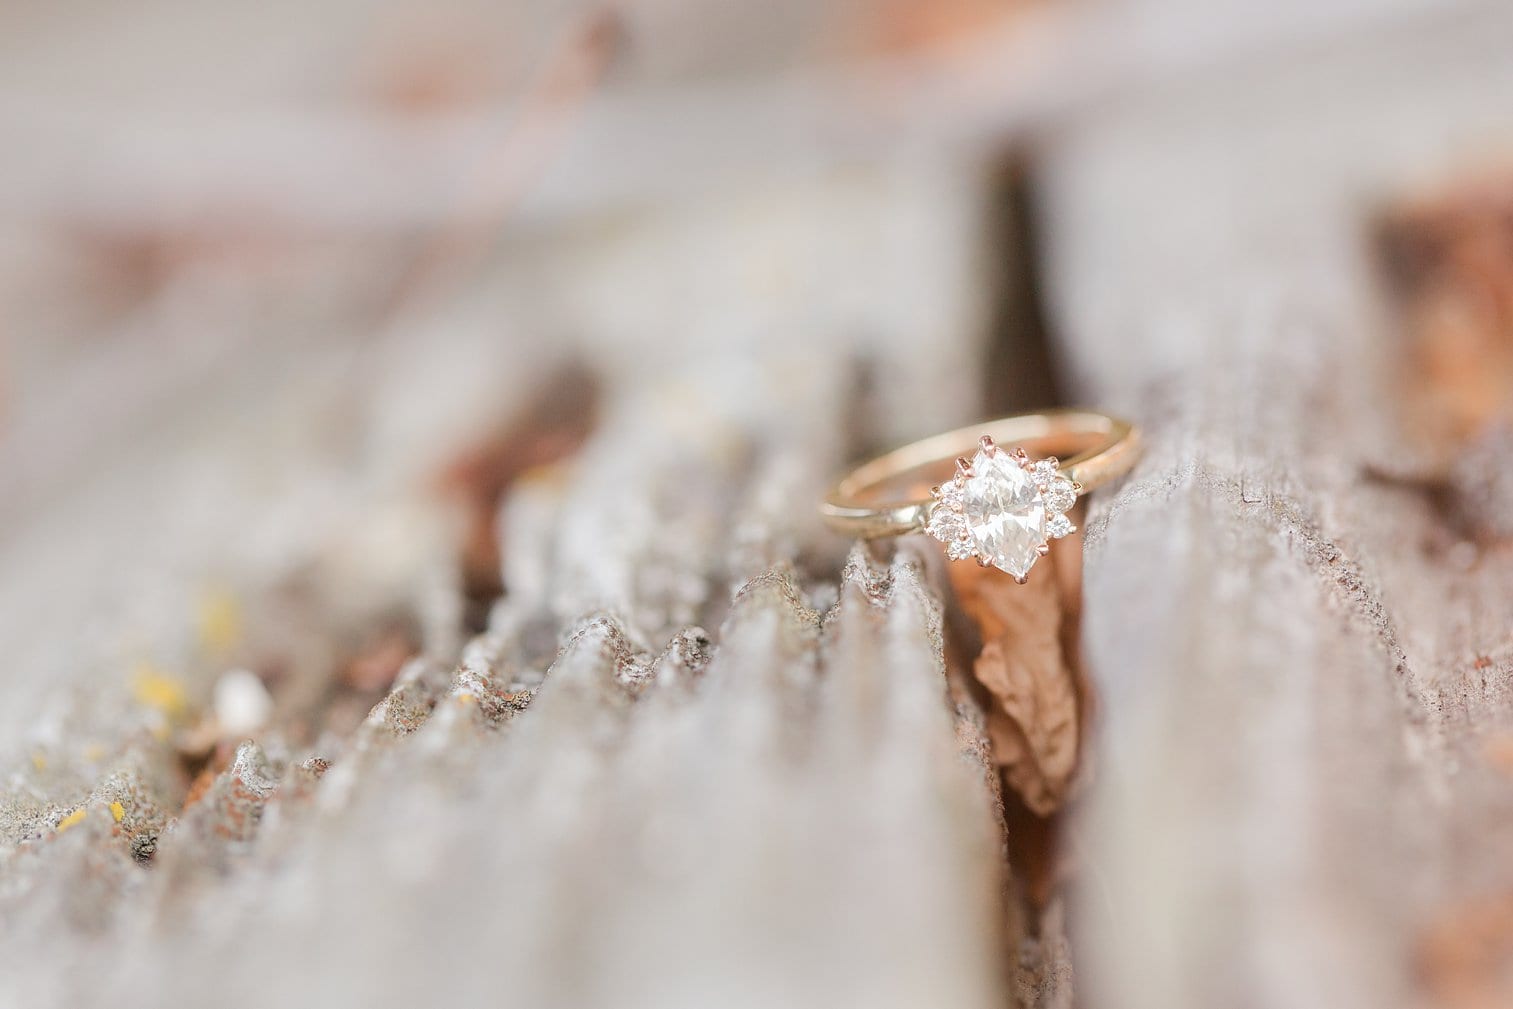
[1304, 660]
[693, 754]
[674, 768]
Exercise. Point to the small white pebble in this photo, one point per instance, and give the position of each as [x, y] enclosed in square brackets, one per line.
[242, 704]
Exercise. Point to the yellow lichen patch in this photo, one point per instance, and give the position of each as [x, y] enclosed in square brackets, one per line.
[71, 819]
[156, 689]
[39, 761]
[466, 698]
[220, 622]
[94, 753]
[117, 811]
[544, 475]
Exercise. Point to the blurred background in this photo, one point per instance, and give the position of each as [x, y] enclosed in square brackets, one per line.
[366, 369]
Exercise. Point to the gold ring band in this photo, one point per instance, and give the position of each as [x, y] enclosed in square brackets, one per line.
[999, 506]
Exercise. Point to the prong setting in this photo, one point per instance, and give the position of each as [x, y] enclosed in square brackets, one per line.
[1001, 508]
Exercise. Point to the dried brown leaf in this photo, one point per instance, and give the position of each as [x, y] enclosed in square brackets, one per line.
[1028, 665]
[1449, 260]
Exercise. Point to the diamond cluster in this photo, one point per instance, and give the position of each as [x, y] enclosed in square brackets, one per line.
[1002, 508]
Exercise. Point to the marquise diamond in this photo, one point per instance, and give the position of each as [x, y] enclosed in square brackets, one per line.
[1004, 512]
[1002, 508]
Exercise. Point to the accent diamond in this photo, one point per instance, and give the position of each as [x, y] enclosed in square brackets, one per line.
[946, 523]
[1059, 526]
[1045, 470]
[1060, 494]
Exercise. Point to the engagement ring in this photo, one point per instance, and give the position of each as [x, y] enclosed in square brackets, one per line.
[1002, 506]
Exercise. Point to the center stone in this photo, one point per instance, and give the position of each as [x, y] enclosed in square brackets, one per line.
[1004, 513]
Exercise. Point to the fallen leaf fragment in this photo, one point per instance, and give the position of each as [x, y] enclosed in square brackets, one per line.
[1029, 666]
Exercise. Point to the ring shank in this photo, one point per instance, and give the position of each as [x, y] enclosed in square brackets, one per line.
[890, 495]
